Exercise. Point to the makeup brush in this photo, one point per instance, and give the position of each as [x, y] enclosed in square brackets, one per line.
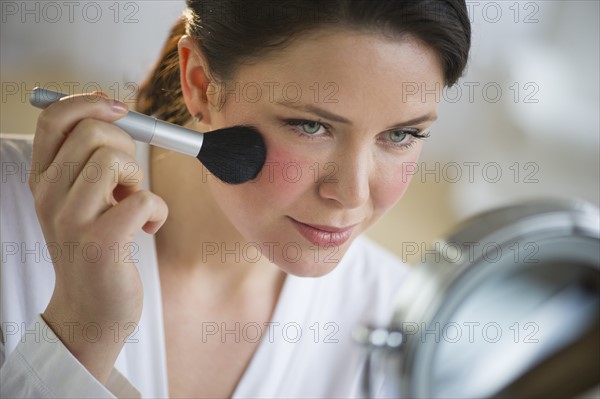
[235, 154]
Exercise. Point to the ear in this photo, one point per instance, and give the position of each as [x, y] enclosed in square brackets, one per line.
[198, 90]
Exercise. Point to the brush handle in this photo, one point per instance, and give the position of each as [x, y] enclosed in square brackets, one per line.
[140, 127]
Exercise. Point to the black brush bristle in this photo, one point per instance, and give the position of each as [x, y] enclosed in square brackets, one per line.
[235, 154]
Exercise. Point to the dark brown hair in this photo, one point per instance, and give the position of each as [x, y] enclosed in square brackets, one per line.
[233, 32]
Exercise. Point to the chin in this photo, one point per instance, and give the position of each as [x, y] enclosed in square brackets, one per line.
[311, 261]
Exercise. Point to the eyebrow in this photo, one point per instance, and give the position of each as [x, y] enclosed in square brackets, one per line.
[317, 111]
[337, 118]
[415, 121]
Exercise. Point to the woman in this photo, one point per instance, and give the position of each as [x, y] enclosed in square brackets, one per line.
[343, 93]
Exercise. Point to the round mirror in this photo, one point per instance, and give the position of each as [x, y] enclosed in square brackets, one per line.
[509, 307]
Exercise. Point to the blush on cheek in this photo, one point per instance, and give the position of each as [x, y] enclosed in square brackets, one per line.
[285, 176]
[392, 186]
[391, 193]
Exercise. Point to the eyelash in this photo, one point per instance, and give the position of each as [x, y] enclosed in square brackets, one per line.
[415, 133]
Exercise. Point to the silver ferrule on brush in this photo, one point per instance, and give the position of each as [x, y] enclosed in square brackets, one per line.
[140, 127]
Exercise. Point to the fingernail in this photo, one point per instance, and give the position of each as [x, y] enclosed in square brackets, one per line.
[118, 106]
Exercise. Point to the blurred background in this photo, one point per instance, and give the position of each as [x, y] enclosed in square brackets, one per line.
[522, 123]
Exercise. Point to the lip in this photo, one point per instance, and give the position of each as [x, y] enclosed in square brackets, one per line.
[322, 235]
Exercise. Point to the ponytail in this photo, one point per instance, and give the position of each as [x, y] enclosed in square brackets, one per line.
[160, 94]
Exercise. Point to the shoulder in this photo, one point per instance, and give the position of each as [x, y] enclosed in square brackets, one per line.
[27, 275]
[15, 148]
[367, 253]
[369, 263]
[15, 159]
[367, 281]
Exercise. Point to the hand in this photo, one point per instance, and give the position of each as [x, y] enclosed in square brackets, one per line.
[93, 206]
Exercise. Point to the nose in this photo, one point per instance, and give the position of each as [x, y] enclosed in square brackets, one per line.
[346, 180]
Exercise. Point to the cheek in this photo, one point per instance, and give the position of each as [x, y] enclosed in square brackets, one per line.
[392, 181]
[285, 182]
[286, 176]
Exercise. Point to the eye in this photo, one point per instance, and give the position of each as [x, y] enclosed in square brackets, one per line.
[307, 127]
[398, 136]
[403, 138]
[311, 127]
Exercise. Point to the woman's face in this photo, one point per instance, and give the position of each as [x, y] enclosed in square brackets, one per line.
[339, 113]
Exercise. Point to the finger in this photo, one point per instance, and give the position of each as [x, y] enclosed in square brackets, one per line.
[87, 136]
[92, 192]
[56, 121]
[141, 210]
